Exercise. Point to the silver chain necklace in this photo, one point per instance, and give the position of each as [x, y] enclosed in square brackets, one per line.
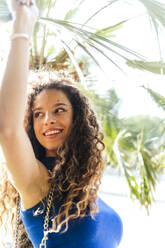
[46, 220]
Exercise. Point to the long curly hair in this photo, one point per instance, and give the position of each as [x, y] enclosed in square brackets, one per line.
[78, 168]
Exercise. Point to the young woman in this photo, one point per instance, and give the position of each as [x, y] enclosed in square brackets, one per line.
[53, 151]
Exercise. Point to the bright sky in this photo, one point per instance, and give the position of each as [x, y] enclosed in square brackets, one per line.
[136, 34]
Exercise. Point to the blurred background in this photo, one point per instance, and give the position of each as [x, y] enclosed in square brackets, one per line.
[114, 51]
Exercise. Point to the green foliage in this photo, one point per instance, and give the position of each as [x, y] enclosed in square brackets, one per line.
[156, 11]
[156, 67]
[72, 12]
[158, 99]
[151, 126]
[137, 161]
[92, 39]
[107, 32]
[135, 145]
[89, 39]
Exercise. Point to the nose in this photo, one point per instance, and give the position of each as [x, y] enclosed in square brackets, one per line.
[49, 119]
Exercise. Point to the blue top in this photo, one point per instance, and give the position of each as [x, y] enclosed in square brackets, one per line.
[104, 231]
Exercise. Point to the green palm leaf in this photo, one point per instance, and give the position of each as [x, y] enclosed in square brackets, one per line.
[158, 99]
[95, 41]
[70, 54]
[137, 157]
[156, 11]
[90, 54]
[107, 32]
[156, 67]
[101, 9]
[73, 11]
[104, 54]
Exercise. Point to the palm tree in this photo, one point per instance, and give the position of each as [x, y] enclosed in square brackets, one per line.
[71, 35]
[124, 149]
[134, 145]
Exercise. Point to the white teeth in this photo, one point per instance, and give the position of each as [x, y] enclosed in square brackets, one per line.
[52, 132]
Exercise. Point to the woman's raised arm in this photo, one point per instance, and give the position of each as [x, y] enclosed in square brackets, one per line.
[13, 91]
[27, 174]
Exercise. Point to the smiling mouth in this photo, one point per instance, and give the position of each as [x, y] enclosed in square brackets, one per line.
[53, 133]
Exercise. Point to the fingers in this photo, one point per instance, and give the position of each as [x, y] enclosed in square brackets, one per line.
[14, 4]
[25, 2]
[32, 2]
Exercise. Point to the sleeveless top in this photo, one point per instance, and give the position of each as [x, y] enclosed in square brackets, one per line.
[104, 231]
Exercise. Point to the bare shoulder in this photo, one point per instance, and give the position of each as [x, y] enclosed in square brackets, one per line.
[38, 190]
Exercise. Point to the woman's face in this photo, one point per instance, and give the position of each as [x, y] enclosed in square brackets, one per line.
[52, 119]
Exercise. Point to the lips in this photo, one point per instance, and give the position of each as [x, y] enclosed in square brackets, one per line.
[52, 132]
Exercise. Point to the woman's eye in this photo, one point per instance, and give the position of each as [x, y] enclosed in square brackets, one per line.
[59, 110]
[37, 114]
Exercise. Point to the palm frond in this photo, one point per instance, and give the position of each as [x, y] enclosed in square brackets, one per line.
[42, 6]
[90, 54]
[87, 36]
[104, 54]
[35, 40]
[156, 67]
[140, 158]
[107, 32]
[149, 164]
[41, 60]
[99, 10]
[156, 11]
[71, 56]
[73, 11]
[158, 99]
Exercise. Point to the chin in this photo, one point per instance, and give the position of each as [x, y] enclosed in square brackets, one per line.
[52, 148]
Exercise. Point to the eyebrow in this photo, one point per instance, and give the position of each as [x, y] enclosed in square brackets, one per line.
[54, 105]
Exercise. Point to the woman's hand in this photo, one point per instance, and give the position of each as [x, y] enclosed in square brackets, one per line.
[25, 15]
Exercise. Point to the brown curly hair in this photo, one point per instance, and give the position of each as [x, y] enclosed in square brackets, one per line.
[79, 163]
